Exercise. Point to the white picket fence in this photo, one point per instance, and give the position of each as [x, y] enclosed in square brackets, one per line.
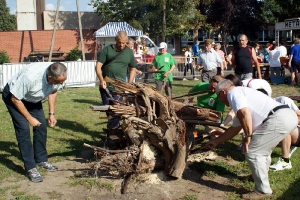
[80, 73]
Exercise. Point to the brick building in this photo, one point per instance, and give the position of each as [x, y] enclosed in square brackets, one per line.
[20, 44]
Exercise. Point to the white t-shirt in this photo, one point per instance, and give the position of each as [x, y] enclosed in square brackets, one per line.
[274, 58]
[259, 104]
[258, 84]
[283, 51]
[188, 56]
[287, 101]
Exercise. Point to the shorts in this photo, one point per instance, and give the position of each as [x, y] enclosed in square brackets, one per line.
[297, 144]
[295, 66]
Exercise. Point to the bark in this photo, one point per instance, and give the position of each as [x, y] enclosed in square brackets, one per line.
[157, 130]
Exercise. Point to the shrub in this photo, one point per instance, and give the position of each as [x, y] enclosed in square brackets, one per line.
[4, 58]
[74, 54]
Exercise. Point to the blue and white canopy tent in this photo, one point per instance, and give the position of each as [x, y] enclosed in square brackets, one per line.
[111, 29]
[106, 35]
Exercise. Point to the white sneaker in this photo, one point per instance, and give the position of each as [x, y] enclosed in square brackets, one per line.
[281, 165]
[195, 79]
[184, 79]
[292, 150]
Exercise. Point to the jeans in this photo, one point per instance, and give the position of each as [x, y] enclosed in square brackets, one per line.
[105, 101]
[30, 153]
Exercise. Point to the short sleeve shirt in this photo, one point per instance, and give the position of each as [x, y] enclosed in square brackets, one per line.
[258, 104]
[210, 100]
[163, 62]
[31, 84]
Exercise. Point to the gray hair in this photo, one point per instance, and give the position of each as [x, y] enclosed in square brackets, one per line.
[57, 69]
[224, 85]
[130, 40]
[243, 35]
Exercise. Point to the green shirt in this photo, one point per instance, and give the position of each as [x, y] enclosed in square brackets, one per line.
[163, 62]
[118, 68]
[210, 100]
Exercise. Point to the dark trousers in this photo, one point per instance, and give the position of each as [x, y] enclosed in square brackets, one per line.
[105, 101]
[187, 67]
[30, 153]
[167, 87]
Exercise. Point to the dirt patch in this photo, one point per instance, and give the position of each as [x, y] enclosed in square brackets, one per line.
[56, 185]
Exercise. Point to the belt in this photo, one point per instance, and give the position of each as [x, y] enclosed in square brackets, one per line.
[277, 108]
[274, 110]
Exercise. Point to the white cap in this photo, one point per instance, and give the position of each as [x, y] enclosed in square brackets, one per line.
[162, 45]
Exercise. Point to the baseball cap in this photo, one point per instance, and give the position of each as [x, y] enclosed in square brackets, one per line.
[162, 45]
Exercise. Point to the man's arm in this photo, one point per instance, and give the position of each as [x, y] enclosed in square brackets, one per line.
[22, 109]
[254, 58]
[168, 72]
[132, 74]
[245, 119]
[98, 69]
[51, 102]
[233, 61]
[290, 60]
[227, 135]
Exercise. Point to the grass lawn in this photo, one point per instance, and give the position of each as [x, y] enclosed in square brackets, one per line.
[77, 124]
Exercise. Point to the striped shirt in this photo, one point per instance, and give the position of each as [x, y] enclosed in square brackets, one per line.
[31, 84]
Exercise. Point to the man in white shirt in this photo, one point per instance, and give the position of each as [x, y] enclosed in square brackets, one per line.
[209, 60]
[265, 124]
[282, 49]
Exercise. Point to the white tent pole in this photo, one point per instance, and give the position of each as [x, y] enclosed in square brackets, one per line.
[80, 30]
[54, 31]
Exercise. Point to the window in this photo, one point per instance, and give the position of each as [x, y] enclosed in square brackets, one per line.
[289, 37]
[263, 36]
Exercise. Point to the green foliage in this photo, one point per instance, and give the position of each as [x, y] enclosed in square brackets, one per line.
[74, 54]
[4, 58]
[8, 22]
[148, 15]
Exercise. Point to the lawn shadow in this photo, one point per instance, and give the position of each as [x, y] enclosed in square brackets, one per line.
[197, 170]
[6, 160]
[89, 102]
[292, 192]
[76, 144]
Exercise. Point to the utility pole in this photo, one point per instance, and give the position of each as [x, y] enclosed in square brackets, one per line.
[80, 30]
[54, 31]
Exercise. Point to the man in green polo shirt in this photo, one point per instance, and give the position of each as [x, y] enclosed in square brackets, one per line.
[209, 100]
[163, 65]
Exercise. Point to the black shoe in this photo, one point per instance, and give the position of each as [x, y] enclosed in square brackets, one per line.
[34, 175]
[47, 165]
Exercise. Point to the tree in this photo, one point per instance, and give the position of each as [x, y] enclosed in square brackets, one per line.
[8, 22]
[233, 17]
[74, 54]
[4, 58]
[154, 17]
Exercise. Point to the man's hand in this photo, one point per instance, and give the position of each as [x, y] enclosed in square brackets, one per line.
[246, 141]
[52, 121]
[152, 69]
[103, 84]
[166, 74]
[34, 122]
[211, 144]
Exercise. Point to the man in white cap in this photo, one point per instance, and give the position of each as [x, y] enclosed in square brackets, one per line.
[162, 65]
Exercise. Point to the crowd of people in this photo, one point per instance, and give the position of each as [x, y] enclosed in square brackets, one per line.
[264, 124]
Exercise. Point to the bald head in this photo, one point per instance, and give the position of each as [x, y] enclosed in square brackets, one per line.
[121, 40]
[122, 35]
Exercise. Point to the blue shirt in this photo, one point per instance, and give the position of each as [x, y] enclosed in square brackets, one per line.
[31, 84]
[196, 49]
[295, 51]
